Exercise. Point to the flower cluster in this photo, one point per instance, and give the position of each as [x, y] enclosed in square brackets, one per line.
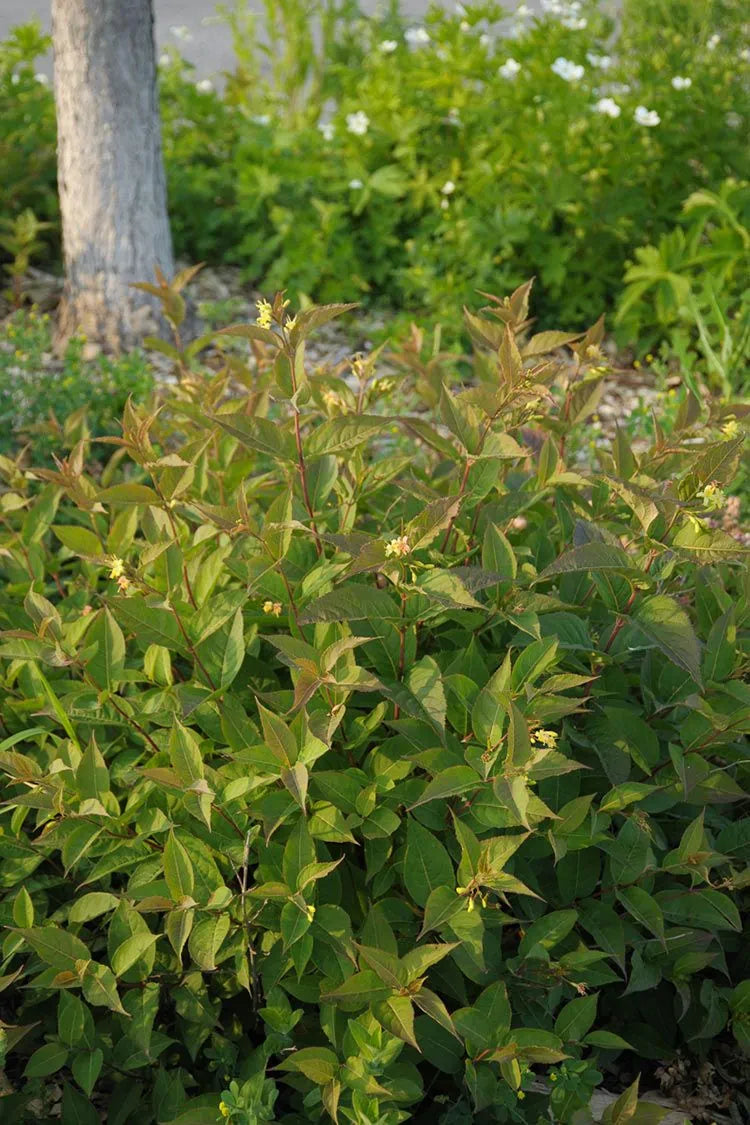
[117, 572]
[607, 106]
[397, 548]
[567, 70]
[647, 117]
[265, 313]
[273, 608]
[546, 738]
[510, 69]
[357, 123]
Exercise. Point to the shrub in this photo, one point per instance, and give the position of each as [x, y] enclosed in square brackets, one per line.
[692, 288]
[364, 157]
[53, 403]
[364, 766]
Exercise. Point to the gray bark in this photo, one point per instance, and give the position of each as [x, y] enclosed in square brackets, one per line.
[110, 168]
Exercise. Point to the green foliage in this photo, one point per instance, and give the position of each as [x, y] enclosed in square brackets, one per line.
[346, 154]
[53, 404]
[361, 759]
[693, 288]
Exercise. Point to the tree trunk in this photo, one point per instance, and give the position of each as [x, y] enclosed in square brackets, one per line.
[110, 169]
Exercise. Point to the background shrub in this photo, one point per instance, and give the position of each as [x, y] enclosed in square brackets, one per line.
[459, 174]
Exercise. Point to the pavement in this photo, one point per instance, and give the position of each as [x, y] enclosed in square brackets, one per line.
[202, 39]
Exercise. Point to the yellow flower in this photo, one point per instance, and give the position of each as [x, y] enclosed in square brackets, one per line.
[265, 317]
[116, 567]
[273, 607]
[291, 322]
[224, 1109]
[712, 496]
[397, 548]
[546, 738]
[730, 429]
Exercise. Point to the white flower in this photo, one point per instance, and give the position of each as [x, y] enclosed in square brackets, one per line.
[567, 70]
[607, 106]
[733, 120]
[679, 83]
[522, 11]
[448, 187]
[205, 86]
[326, 130]
[465, 26]
[355, 185]
[459, 9]
[648, 117]
[745, 54]
[574, 23]
[164, 59]
[262, 119]
[444, 204]
[358, 123]
[15, 79]
[388, 46]
[485, 39]
[184, 34]
[713, 42]
[600, 62]
[416, 37]
[42, 79]
[454, 117]
[509, 69]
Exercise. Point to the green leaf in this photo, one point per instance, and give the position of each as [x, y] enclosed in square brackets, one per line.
[607, 1040]
[425, 683]
[75, 1024]
[278, 737]
[150, 623]
[178, 870]
[667, 625]
[623, 1110]
[23, 909]
[294, 923]
[46, 1060]
[177, 927]
[77, 1109]
[353, 602]
[79, 540]
[316, 1063]
[448, 783]
[100, 987]
[128, 494]
[358, 991]
[92, 905]
[341, 435]
[185, 754]
[105, 666]
[260, 435]
[396, 1014]
[702, 909]
[646, 911]
[497, 554]
[86, 1067]
[234, 651]
[575, 1019]
[206, 939]
[427, 864]
[56, 947]
[593, 556]
[629, 793]
[442, 904]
